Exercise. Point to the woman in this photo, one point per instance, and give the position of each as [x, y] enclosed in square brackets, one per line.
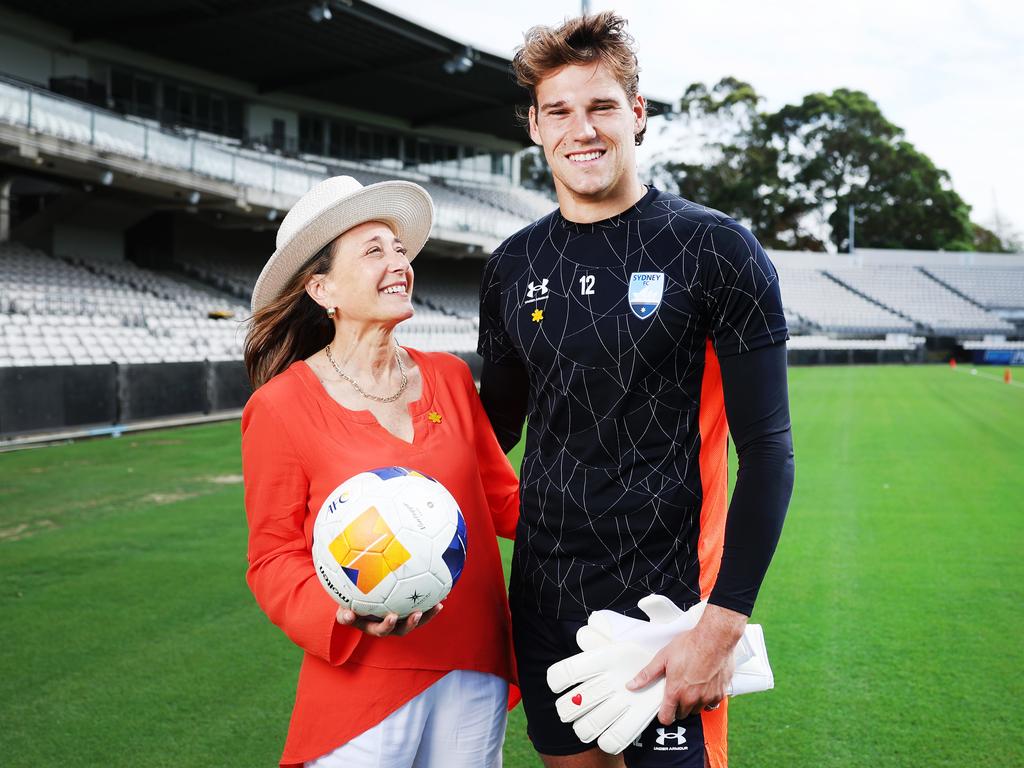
[335, 396]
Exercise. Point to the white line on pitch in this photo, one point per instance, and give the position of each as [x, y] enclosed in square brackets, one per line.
[976, 372]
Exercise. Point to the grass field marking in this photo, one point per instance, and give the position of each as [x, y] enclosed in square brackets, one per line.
[980, 375]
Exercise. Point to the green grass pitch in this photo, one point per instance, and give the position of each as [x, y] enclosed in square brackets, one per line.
[893, 610]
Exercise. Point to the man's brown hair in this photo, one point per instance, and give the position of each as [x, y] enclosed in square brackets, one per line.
[584, 40]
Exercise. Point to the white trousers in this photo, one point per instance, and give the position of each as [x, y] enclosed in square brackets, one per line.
[458, 722]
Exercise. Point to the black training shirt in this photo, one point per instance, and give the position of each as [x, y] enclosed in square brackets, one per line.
[612, 322]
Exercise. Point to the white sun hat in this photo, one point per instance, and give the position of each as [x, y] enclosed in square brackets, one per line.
[332, 207]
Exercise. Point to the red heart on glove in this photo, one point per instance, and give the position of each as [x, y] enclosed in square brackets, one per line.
[577, 699]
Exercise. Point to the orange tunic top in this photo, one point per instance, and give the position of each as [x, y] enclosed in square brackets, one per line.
[299, 444]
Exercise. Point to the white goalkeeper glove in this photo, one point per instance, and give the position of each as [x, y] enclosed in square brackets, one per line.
[614, 649]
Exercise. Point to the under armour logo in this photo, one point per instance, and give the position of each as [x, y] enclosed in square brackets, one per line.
[677, 737]
[536, 292]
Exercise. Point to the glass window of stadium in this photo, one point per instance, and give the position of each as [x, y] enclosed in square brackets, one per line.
[342, 143]
[133, 94]
[174, 103]
[393, 148]
[312, 132]
[334, 138]
[202, 114]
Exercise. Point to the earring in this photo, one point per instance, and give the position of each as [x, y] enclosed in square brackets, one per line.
[330, 313]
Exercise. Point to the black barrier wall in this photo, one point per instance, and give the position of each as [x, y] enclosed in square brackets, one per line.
[50, 399]
[799, 357]
[168, 389]
[54, 398]
[57, 397]
[227, 385]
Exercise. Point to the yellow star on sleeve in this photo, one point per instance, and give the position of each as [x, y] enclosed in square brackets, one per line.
[435, 417]
[538, 315]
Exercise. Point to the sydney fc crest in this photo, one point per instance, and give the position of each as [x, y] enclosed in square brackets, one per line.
[645, 292]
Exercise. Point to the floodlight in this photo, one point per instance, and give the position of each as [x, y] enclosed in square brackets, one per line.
[460, 62]
[320, 12]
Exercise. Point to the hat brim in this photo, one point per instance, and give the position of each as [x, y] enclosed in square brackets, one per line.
[404, 206]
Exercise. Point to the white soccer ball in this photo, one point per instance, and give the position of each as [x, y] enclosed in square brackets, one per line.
[390, 540]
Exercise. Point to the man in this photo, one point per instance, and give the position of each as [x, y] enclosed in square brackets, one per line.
[626, 324]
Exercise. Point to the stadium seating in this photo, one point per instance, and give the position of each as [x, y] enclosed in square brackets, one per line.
[76, 311]
[993, 343]
[449, 285]
[187, 299]
[458, 210]
[123, 313]
[223, 273]
[992, 287]
[57, 313]
[86, 312]
[524, 203]
[922, 298]
[894, 341]
[811, 298]
[432, 330]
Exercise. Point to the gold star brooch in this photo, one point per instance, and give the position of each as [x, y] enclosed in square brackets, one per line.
[538, 315]
[435, 417]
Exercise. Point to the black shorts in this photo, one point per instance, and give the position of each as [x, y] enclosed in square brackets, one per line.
[540, 642]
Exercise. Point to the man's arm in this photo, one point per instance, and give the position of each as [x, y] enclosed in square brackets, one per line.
[757, 407]
[505, 392]
[698, 664]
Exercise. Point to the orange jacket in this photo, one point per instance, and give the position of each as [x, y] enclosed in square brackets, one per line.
[298, 444]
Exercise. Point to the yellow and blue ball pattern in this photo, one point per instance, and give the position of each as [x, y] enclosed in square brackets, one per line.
[368, 551]
[389, 540]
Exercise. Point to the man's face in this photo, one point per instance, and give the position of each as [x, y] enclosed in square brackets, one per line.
[586, 123]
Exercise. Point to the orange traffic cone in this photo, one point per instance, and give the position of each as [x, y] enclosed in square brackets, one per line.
[952, 362]
[1007, 376]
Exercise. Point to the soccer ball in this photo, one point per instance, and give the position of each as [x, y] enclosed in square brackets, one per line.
[390, 540]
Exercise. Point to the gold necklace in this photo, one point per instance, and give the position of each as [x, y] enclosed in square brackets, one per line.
[378, 398]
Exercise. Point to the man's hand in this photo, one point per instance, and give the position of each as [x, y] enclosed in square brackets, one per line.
[389, 625]
[698, 665]
[616, 649]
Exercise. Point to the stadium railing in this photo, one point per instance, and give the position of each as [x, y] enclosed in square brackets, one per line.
[494, 214]
[47, 113]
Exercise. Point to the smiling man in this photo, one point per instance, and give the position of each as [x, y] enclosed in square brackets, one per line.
[626, 325]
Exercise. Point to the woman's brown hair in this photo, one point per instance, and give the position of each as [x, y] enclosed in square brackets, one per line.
[291, 327]
[584, 40]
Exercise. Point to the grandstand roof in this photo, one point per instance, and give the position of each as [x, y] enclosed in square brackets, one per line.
[363, 57]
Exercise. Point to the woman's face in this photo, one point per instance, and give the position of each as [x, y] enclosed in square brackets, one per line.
[370, 278]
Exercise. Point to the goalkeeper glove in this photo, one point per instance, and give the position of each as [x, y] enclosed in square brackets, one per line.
[614, 649]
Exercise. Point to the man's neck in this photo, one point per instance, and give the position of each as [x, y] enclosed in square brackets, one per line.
[583, 209]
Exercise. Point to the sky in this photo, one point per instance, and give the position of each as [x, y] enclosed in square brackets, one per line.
[949, 72]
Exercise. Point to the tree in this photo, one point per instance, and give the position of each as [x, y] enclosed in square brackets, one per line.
[986, 240]
[732, 168]
[793, 174]
[1000, 240]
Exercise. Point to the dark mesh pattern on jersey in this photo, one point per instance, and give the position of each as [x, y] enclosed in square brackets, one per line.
[610, 482]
